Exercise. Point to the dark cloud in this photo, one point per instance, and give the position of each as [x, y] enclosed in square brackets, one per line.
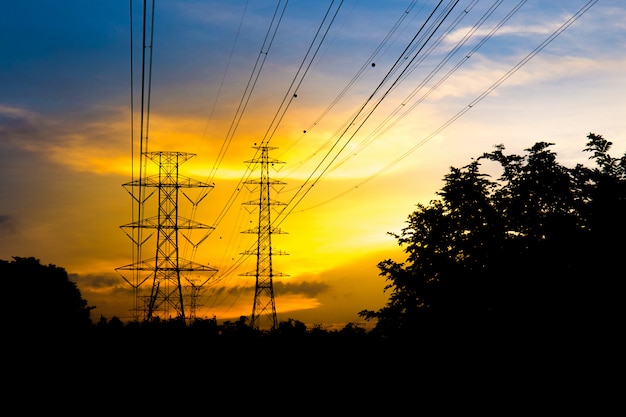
[22, 129]
[232, 291]
[122, 290]
[16, 124]
[96, 281]
[24, 132]
[8, 224]
[309, 289]
[306, 288]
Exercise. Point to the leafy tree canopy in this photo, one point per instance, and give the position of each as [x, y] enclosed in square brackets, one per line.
[538, 248]
[42, 298]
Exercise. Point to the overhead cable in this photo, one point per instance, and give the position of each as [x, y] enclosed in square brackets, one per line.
[474, 102]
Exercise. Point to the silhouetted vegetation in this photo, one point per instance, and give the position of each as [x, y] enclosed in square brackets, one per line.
[537, 252]
[42, 298]
[46, 305]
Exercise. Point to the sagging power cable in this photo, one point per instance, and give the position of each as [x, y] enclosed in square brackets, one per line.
[473, 103]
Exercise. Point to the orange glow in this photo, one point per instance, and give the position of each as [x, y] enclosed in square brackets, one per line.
[67, 144]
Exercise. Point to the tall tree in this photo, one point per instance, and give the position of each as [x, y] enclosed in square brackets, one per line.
[537, 249]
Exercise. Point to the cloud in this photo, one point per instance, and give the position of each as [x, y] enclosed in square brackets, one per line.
[456, 36]
[91, 141]
[306, 288]
[96, 281]
[17, 123]
[8, 224]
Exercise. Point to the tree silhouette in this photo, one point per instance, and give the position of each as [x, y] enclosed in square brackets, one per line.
[537, 250]
[43, 299]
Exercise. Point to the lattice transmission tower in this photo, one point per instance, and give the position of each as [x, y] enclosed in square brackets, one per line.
[162, 284]
[264, 305]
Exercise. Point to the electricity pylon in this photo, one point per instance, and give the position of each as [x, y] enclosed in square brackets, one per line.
[167, 295]
[264, 305]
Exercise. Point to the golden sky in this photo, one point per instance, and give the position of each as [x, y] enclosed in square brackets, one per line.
[366, 120]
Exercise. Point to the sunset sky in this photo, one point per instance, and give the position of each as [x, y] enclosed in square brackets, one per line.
[367, 102]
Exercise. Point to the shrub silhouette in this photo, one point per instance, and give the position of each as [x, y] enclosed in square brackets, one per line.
[43, 299]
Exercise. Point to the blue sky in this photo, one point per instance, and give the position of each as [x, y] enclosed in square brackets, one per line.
[65, 129]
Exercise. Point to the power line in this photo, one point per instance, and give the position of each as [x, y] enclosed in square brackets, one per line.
[474, 102]
[230, 57]
[366, 65]
[395, 67]
[410, 97]
[386, 124]
[254, 76]
[291, 204]
[138, 198]
[290, 93]
[267, 137]
[252, 80]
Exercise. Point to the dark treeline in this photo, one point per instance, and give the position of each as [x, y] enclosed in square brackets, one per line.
[537, 252]
[45, 301]
[509, 299]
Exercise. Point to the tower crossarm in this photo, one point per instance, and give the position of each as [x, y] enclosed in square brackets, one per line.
[153, 223]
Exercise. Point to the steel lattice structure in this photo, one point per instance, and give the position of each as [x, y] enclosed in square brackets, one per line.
[172, 291]
[264, 305]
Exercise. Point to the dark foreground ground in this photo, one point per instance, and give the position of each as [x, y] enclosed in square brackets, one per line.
[304, 376]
